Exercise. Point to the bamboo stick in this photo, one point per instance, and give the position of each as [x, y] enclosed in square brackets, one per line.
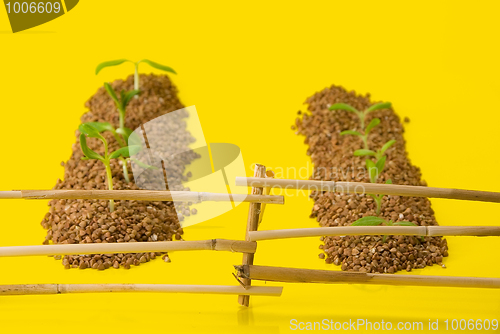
[426, 231]
[473, 231]
[252, 225]
[265, 191]
[293, 275]
[130, 247]
[372, 188]
[48, 289]
[139, 195]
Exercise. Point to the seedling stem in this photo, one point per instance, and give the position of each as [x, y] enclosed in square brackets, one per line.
[88, 130]
[110, 185]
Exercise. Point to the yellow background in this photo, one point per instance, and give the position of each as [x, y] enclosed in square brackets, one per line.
[248, 67]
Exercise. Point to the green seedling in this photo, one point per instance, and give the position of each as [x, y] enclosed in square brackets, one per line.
[361, 114]
[376, 221]
[136, 65]
[376, 168]
[364, 136]
[379, 155]
[121, 103]
[105, 126]
[89, 131]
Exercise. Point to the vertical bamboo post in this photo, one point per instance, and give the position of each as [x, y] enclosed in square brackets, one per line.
[252, 224]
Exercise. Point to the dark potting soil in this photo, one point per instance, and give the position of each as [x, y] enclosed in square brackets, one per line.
[333, 159]
[90, 221]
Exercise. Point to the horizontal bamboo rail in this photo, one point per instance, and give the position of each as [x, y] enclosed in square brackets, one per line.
[48, 289]
[426, 231]
[140, 195]
[130, 247]
[371, 188]
[292, 275]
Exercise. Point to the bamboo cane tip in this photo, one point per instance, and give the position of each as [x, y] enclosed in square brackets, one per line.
[11, 194]
[241, 181]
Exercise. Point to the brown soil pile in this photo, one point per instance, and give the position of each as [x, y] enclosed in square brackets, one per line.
[332, 155]
[90, 221]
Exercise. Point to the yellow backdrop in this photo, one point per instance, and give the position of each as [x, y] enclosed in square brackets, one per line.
[248, 67]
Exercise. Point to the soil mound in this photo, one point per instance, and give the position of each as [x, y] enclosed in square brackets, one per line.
[90, 221]
[332, 155]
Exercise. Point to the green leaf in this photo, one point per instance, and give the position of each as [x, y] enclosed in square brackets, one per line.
[157, 66]
[90, 131]
[360, 153]
[87, 151]
[343, 106]
[128, 96]
[99, 126]
[350, 132]
[387, 145]
[125, 152]
[405, 223]
[370, 164]
[384, 239]
[112, 93]
[374, 122]
[109, 64]
[372, 170]
[369, 221]
[378, 106]
[388, 181]
[380, 164]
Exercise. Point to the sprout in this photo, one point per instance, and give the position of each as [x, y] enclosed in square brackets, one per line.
[89, 131]
[379, 155]
[136, 64]
[376, 221]
[374, 168]
[121, 104]
[361, 114]
[105, 126]
[364, 136]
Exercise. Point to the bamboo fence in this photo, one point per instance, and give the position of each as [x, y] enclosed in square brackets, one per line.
[371, 188]
[294, 275]
[261, 183]
[51, 289]
[140, 195]
[130, 247]
[252, 225]
[425, 231]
